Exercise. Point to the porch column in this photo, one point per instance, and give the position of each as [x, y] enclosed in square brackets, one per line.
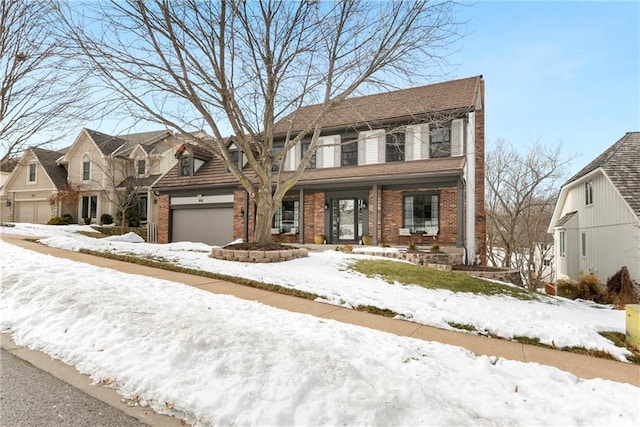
[246, 216]
[301, 218]
[375, 215]
[460, 214]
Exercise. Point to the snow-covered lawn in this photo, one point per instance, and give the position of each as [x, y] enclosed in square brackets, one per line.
[218, 360]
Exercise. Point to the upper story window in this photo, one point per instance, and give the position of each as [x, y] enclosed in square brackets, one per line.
[141, 166]
[305, 147]
[86, 169]
[420, 212]
[349, 153]
[234, 156]
[186, 165]
[32, 172]
[588, 193]
[561, 243]
[286, 218]
[440, 140]
[277, 148]
[395, 147]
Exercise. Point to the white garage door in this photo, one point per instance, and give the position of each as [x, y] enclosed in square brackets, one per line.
[33, 212]
[213, 226]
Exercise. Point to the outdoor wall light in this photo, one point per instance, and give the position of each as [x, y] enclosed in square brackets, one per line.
[8, 203]
[326, 205]
[242, 210]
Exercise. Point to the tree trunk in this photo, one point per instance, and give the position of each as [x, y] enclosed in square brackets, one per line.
[264, 215]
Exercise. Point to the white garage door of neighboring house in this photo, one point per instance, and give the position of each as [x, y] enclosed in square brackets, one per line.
[33, 212]
[213, 226]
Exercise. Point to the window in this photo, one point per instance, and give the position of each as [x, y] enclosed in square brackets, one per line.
[420, 211]
[89, 206]
[185, 166]
[143, 207]
[277, 148]
[583, 246]
[562, 244]
[286, 218]
[349, 154]
[546, 262]
[440, 141]
[86, 170]
[141, 166]
[32, 172]
[395, 147]
[234, 156]
[588, 193]
[305, 148]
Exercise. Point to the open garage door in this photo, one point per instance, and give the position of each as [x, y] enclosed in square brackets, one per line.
[33, 212]
[213, 226]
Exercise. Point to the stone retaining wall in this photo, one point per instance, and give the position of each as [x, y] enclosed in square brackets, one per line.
[423, 258]
[509, 276]
[258, 256]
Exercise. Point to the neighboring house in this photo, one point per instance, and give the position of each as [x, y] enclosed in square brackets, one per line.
[596, 223]
[6, 167]
[31, 187]
[402, 166]
[101, 165]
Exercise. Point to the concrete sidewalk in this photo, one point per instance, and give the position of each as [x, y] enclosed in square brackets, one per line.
[580, 365]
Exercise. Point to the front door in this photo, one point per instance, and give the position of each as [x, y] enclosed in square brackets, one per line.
[345, 227]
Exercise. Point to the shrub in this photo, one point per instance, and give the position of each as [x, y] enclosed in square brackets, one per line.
[106, 219]
[345, 248]
[622, 290]
[58, 220]
[412, 247]
[68, 217]
[587, 287]
[435, 248]
[86, 220]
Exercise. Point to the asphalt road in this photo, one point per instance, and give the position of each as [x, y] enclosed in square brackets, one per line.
[32, 397]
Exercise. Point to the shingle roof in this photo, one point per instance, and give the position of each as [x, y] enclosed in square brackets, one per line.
[213, 173]
[106, 143]
[562, 221]
[621, 163]
[139, 182]
[47, 159]
[446, 96]
[7, 164]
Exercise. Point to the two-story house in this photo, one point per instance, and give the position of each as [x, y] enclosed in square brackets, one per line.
[596, 222]
[100, 165]
[31, 186]
[401, 166]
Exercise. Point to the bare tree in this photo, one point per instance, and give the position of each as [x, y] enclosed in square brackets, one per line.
[40, 91]
[522, 189]
[245, 66]
[69, 196]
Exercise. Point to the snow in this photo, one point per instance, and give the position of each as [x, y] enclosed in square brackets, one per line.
[217, 359]
[130, 237]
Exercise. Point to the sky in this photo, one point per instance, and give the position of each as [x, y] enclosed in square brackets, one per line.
[218, 360]
[555, 72]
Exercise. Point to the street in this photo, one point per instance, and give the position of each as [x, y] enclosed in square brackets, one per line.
[32, 397]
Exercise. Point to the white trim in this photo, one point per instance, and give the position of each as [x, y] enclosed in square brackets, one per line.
[180, 201]
[35, 177]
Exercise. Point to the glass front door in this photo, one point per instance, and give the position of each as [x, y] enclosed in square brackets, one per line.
[345, 221]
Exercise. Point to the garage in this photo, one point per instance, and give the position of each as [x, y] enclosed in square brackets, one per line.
[33, 212]
[212, 225]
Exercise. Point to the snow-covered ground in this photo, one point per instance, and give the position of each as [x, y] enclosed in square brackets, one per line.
[220, 360]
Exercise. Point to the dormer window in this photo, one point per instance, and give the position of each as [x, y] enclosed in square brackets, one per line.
[141, 166]
[234, 156]
[186, 168]
[440, 140]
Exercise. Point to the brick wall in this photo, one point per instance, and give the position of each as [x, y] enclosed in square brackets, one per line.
[391, 206]
[164, 211]
[313, 216]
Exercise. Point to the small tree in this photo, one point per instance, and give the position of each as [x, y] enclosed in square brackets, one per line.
[69, 196]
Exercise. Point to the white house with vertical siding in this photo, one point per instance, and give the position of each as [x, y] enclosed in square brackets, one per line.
[596, 222]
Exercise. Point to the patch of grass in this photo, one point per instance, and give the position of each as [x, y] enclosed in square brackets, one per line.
[172, 267]
[436, 279]
[463, 326]
[619, 340]
[601, 354]
[375, 310]
[94, 234]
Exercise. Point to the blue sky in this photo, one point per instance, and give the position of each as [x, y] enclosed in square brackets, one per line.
[556, 72]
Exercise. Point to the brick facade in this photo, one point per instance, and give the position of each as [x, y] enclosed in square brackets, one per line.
[164, 213]
[481, 218]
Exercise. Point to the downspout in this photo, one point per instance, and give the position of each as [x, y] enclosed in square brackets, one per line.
[246, 216]
[375, 215]
[301, 218]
